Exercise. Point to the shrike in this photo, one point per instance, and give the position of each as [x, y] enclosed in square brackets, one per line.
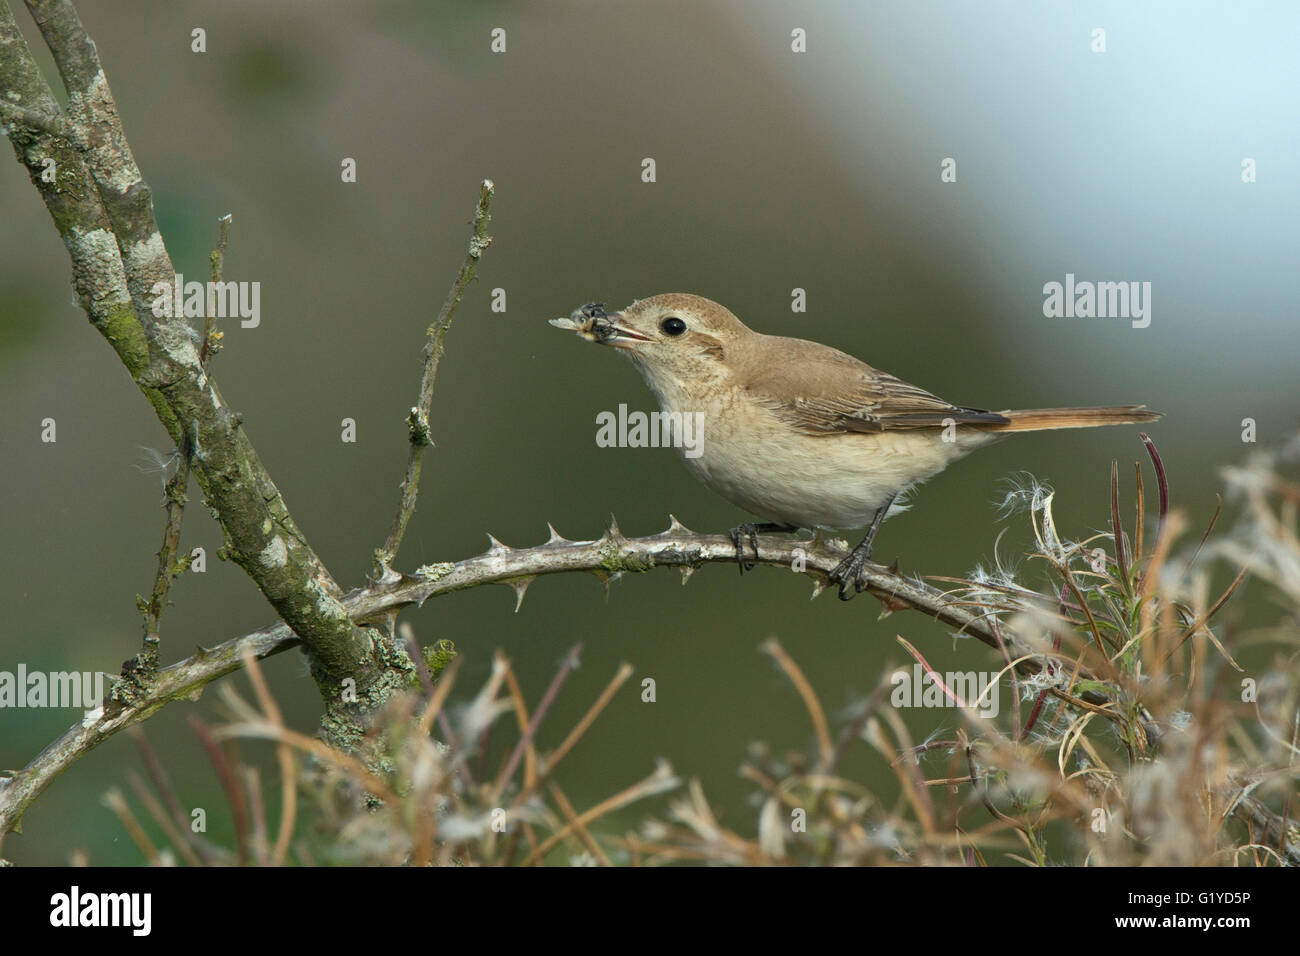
[798, 433]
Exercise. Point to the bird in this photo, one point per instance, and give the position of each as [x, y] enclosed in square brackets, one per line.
[797, 433]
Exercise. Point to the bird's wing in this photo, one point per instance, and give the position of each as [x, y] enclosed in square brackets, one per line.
[823, 391]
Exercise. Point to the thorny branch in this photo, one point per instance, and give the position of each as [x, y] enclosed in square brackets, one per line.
[607, 557]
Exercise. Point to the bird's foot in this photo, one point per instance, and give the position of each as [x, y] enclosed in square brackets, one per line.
[848, 573]
[750, 531]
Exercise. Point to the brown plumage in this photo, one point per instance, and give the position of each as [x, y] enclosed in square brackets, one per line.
[1042, 419]
[797, 432]
[821, 390]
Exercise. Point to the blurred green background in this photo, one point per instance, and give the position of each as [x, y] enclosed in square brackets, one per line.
[775, 170]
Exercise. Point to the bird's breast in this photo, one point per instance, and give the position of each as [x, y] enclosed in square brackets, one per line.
[774, 471]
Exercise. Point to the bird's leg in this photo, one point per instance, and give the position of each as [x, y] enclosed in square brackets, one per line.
[751, 531]
[847, 571]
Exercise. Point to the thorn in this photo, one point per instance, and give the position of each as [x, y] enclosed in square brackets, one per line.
[818, 587]
[556, 537]
[604, 578]
[687, 570]
[893, 567]
[520, 587]
[495, 546]
[675, 526]
[890, 605]
[614, 534]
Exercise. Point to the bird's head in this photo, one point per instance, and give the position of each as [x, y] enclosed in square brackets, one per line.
[678, 341]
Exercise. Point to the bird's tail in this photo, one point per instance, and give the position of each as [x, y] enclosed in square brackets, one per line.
[1042, 419]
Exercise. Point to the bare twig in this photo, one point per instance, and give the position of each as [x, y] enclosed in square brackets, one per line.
[114, 800]
[1117, 528]
[580, 728]
[211, 335]
[170, 566]
[162, 783]
[772, 647]
[659, 781]
[571, 816]
[567, 666]
[288, 765]
[521, 717]
[418, 419]
[226, 774]
[156, 810]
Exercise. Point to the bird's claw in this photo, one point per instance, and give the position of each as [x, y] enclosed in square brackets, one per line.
[751, 531]
[849, 572]
[738, 536]
[850, 569]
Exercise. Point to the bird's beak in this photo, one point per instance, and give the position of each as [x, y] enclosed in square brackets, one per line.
[614, 330]
[601, 327]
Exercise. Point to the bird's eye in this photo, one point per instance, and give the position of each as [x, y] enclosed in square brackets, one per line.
[673, 326]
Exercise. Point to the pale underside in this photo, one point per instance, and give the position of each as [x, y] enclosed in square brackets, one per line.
[824, 443]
